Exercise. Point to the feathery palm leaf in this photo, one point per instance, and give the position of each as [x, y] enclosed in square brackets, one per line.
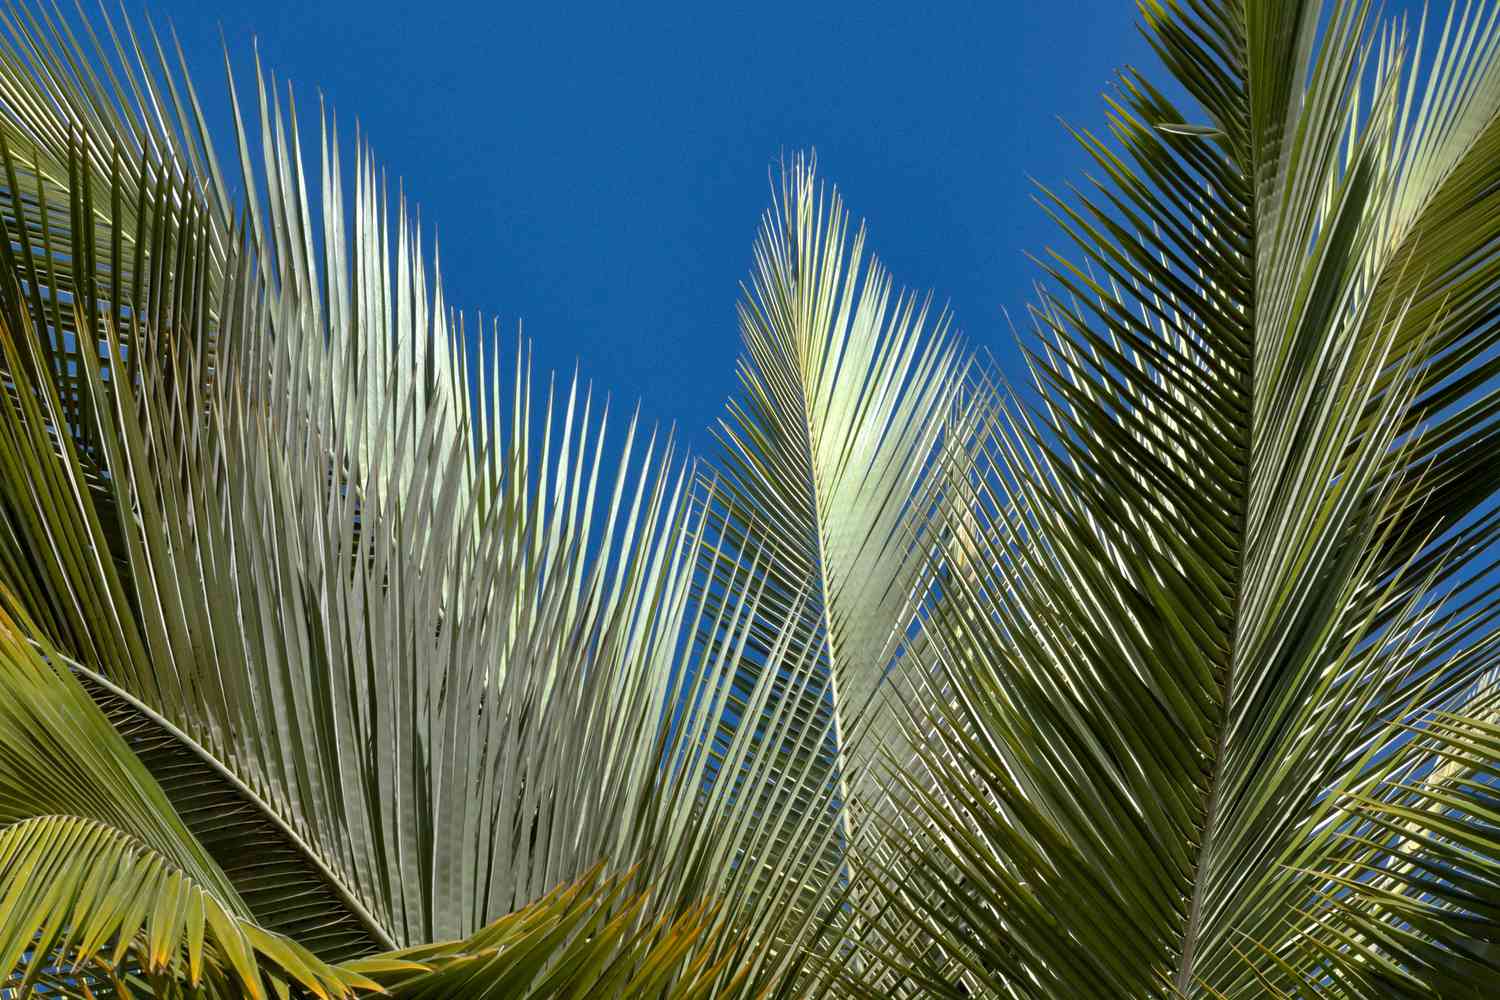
[99, 877]
[1222, 579]
[321, 577]
[826, 450]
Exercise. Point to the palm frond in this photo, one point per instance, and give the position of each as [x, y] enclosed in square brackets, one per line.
[1238, 540]
[101, 877]
[845, 385]
[80, 892]
[581, 939]
[379, 602]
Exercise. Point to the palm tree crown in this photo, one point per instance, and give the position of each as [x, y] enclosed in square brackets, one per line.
[337, 659]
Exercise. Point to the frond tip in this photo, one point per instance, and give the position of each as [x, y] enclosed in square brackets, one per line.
[84, 902]
[591, 937]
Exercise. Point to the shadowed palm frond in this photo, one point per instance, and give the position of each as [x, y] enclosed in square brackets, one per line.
[99, 878]
[1230, 572]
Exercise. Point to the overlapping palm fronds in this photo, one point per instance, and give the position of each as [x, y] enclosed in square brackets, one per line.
[338, 656]
[399, 655]
[101, 882]
[1193, 690]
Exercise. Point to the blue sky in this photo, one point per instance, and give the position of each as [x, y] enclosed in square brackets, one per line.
[598, 171]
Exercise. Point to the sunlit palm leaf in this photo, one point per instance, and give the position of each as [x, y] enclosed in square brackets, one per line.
[1247, 534]
[406, 629]
[845, 385]
[582, 939]
[98, 875]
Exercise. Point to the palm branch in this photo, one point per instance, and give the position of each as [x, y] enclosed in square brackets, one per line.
[1197, 714]
[373, 667]
[399, 655]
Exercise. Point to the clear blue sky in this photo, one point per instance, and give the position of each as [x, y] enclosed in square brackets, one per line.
[599, 170]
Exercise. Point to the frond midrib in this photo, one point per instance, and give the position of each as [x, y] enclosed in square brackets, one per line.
[1213, 798]
[841, 758]
[379, 936]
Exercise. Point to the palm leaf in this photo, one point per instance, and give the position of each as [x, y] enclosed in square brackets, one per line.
[1242, 535]
[581, 939]
[325, 579]
[845, 386]
[101, 877]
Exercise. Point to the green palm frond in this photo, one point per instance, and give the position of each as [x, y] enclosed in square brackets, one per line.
[581, 939]
[99, 878]
[824, 474]
[386, 609]
[1412, 878]
[328, 580]
[81, 892]
[1237, 550]
[825, 452]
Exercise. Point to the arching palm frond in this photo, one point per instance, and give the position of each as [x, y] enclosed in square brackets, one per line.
[401, 654]
[1191, 691]
[99, 879]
